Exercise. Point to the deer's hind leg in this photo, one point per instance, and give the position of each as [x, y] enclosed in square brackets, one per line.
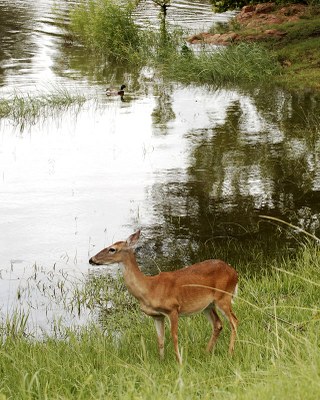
[224, 305]
[216, 323]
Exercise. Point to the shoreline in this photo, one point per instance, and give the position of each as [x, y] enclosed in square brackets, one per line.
[291, 33]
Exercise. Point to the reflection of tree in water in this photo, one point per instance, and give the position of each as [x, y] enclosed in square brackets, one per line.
[72, 62]
[235, 176]
[163, 112]
[16, 26]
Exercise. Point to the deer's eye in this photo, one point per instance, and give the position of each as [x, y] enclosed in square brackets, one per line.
[112, 250]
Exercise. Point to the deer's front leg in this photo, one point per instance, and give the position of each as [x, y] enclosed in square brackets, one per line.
[173, 317]
[159, 324]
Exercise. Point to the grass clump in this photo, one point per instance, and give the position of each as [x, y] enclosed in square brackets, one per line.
[28, 109]
[107, 27]
[277, 352]
[242, 63]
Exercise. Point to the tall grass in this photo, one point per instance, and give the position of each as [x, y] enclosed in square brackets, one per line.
[277, 352]
[107, 27]
[243, 63]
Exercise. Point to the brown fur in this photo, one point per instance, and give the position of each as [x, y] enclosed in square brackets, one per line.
[199, 287]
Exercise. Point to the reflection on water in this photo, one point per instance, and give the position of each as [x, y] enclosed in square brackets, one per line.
[190, 165]
[207, 169]
[31, 42]
[16, 48]
[192, 15]
[248, 158]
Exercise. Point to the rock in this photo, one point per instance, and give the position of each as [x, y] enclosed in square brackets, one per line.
[247, 9]
[264, 8]
[274, 32]
[268, 13]
[286, 63]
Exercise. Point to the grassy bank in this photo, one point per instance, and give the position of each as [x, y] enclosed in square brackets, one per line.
[296, 48]
[299, 52]
[277, 352]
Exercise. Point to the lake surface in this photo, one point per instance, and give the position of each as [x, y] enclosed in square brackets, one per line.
[187, 164]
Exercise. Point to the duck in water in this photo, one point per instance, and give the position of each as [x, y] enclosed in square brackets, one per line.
[110, 92]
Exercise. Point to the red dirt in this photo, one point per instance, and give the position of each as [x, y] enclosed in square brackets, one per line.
[255, 17]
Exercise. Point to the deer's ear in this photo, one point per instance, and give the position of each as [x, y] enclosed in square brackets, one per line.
[133, 239]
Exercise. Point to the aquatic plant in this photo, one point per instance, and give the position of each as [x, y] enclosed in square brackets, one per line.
[107, 27]
[243, 63]
[27, 109]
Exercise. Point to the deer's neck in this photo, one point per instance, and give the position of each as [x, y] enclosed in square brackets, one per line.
[134, 279]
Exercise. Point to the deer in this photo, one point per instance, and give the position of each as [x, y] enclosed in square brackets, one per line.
[206, 286]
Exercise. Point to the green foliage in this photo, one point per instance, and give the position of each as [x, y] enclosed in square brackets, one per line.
[225, 5]
[242, 63]
[107, 27]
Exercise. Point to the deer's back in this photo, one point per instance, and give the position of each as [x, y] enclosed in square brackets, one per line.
[215, 273]
[191, 289]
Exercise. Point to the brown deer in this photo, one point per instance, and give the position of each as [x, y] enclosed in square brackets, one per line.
[204, 286]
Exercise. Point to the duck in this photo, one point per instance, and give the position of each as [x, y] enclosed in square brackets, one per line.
[111, 92]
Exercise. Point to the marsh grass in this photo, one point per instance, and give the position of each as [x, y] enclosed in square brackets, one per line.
[244, 63]
[27, 109]
[277, 351]
[107, 27]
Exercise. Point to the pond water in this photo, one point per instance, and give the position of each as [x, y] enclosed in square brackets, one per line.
[187, 164]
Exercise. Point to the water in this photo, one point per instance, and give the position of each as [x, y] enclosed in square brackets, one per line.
[190, 165]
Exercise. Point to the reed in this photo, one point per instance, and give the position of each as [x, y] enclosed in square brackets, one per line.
[27, 109]
[243, 63]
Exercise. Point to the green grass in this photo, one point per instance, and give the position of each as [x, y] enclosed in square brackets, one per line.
[28, 109]
[244, 63]
[300, 46]
[277, 352]
[106, 27]
[298, 51]
[304, 70]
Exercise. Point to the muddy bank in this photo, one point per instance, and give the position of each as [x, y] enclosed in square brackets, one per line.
[256, 19]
